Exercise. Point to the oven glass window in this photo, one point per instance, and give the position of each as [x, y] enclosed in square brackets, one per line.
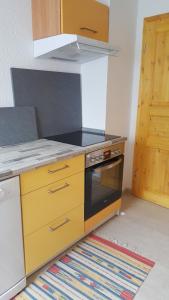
[103, 184]
[106, 180]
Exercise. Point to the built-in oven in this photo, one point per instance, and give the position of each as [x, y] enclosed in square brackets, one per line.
[103, 179]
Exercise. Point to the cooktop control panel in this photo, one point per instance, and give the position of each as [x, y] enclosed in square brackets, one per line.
[103, 154]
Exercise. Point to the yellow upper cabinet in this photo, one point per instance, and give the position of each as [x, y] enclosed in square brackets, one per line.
[87, 18]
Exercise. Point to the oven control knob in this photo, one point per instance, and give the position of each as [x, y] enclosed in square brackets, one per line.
[113, 153]
[92, 159]
[101, 157]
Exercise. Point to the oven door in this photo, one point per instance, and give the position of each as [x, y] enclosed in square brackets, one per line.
[103, 185]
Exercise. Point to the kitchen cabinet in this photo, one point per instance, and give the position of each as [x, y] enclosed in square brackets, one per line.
[35, 179]
[87, 18]
[12, 273]
[53, 238]
[52, 199]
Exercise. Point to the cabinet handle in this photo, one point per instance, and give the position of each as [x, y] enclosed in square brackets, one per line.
[59, 188]
[88, 29]
[57, 170]
[51, 228]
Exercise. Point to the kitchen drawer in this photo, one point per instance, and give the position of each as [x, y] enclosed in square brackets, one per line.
[43, 176]
[88, 18]
[46, 204]
[49, 241]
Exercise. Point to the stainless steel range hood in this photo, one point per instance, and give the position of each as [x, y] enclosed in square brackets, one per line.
[74, 48]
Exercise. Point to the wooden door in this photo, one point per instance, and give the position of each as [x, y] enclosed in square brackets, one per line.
[151, 158]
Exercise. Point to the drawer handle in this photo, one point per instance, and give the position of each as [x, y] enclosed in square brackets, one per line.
[51, 228]
[59, 188]
[57, 170]
[88, 29]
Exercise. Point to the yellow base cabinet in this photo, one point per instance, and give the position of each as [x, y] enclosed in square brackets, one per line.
[87, 18]
[50, 202]
[49, 241]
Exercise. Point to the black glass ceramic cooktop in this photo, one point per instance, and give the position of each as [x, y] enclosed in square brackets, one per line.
[82, 138]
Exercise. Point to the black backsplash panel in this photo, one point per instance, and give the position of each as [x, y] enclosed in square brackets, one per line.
[17, 125]
[56, 97]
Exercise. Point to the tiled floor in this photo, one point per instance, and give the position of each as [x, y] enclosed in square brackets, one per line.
[145, 229]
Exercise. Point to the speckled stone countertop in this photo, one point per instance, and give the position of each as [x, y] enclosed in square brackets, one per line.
[17, 159]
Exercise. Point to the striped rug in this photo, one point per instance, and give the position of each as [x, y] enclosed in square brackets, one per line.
[95, 269]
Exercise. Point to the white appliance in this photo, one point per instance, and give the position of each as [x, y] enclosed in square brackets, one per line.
[12, 273]
[73, 48]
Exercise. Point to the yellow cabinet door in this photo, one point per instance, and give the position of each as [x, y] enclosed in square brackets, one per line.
[42, 176]
[46, 204]
[88, 18]
[151, 159]
[52, 239]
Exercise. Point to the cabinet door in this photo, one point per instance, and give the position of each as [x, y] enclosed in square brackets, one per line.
[11, 246]
[52, 239]
[45, 18]
[88, 18]
[46, 204]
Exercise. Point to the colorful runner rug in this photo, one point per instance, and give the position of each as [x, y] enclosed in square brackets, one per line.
[95, 269]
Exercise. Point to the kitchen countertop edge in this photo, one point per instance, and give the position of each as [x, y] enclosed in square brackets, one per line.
[80, 151]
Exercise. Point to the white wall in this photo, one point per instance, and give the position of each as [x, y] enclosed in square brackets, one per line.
[146, 8]
[16, 46]
[94, 90]
[94, 93]
[120, 73]
[123, 22]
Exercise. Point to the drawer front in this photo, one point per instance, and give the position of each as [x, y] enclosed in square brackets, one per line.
[88, 18]
[52, 201]
[43, 176]
[50, 240]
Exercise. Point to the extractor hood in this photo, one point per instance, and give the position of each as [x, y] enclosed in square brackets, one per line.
[74, 48]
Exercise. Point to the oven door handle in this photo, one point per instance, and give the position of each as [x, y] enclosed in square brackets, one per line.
[99, 170]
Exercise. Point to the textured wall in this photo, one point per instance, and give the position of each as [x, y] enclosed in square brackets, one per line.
[16, 46]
